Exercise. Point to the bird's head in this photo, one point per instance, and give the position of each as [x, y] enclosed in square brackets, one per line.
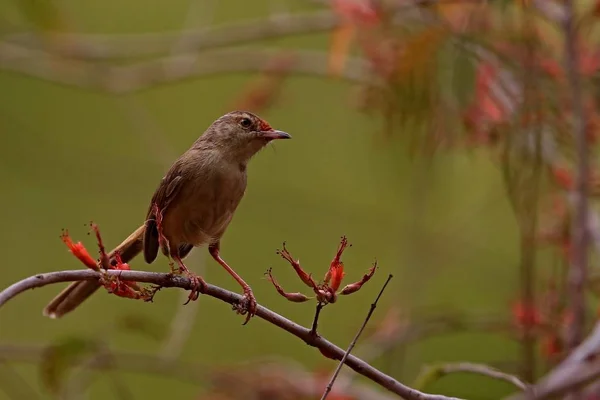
[240, 135]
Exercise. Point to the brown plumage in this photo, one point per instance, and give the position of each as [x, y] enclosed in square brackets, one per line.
[193, 205]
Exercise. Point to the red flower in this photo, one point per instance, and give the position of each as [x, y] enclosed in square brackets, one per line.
[563, 177]
[359, 12]
[353, 287]
[327, 291]
[336, 268]
[120, 264]
[551, 346]
[526, 314]
[113, 284]
[79, 251]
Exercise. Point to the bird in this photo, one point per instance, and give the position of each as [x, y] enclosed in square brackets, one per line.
[192, 206]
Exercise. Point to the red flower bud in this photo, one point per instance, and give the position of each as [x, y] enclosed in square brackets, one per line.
[79, 251]
[294, 297]
[306, 278]
[354, 287]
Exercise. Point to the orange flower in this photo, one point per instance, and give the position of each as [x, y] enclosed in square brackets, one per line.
[337, 274]
[79, 251]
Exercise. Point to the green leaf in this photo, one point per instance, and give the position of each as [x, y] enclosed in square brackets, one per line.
[58, 358]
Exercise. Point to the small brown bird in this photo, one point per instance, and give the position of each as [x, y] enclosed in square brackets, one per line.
[193, 205]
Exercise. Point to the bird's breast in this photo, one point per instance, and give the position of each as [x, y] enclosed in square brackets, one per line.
[209, 206]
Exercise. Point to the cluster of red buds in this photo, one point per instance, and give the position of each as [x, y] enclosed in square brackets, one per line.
[328, 290]
[113, 284]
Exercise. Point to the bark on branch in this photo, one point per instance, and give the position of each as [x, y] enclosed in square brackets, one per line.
[169, 280]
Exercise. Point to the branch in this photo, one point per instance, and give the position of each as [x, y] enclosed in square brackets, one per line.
[581, 367]
[353, 343]
[14, 384]
[436, 372]
[196, 373]
[133, 362]
[128, 79]
[168, 280]
[580, 237]
[105, 47]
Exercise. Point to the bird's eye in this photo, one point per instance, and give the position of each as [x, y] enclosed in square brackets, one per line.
[245, 123]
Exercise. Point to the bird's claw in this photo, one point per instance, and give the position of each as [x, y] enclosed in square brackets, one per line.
[246, 306]
[198, 286]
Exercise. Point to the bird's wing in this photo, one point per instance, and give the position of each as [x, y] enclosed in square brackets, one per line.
[165, 193]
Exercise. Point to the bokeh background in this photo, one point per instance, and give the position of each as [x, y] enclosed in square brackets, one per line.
[442, 225]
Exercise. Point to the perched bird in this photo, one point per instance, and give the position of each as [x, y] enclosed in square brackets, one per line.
[192, 206]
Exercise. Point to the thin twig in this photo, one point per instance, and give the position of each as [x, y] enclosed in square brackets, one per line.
[353, 343]
[94, 47]
[13, 383]
[579, 368]
[133, 362]
[143, 75]
[182, 282]
[193, 373]
[435, 372]
[84, 377]
[316, 319]
[580, 237]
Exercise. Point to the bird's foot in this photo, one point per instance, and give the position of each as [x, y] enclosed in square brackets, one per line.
[198, 284]
[246, 306]
[149, 293]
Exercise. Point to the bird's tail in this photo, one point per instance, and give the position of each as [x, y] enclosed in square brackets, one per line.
[76, 293]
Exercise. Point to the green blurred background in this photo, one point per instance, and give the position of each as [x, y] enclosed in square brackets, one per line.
[443, 227]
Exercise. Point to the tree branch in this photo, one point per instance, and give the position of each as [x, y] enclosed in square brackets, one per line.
[580, 237]
[95, 47]
[579, 368]
[143, 75]
[353, 343]
[435, 372]
[169, 280]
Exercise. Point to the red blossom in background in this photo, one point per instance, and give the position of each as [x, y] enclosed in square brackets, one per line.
[262, 92]
[356, 15]
[327, 291]
[525, 315]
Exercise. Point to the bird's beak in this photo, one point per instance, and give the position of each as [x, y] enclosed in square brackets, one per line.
[274, 134]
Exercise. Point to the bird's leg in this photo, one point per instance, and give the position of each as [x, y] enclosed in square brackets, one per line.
[197, 282]
[162, 240]
[248, 304]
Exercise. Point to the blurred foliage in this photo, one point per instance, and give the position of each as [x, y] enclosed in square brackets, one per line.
[451, 227]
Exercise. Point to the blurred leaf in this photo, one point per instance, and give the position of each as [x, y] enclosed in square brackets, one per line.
[142, 325]
[44, 15]
[418, 51]
[416, 91]
[58, 358]
[457, 14]
[263, 91]
[341, 38]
